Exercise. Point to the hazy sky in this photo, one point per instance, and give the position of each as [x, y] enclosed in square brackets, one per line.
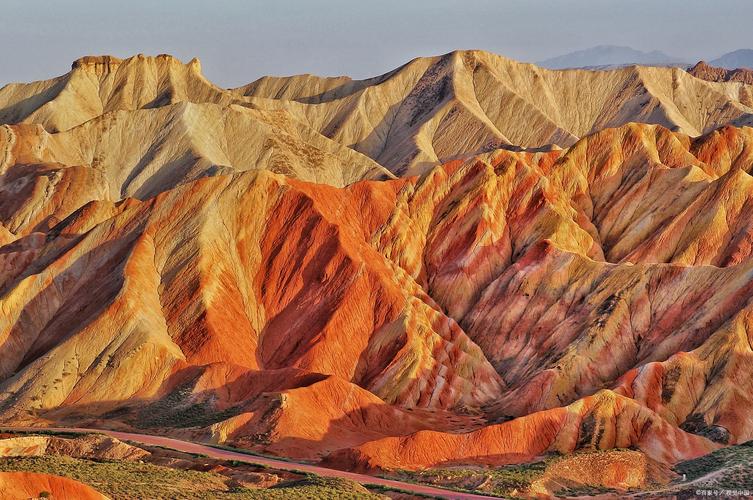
[238, 41]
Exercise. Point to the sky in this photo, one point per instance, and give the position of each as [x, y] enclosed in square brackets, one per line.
[238, 41]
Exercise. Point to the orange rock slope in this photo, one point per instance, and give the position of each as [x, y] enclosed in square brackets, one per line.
[498, 307]
[21, 485]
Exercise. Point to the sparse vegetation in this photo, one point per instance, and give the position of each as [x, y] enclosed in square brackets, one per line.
[317, 487]
[121, 480]
[379, 489]
[46, 432]
[177, 410]
[733, 464]
[584, 491]
[504, 481]
[515, 481]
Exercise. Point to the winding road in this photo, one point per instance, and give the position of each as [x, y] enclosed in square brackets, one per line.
[191, 447]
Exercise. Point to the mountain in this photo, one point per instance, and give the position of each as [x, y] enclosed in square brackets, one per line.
[185, 125]
[382, 274]
[432, 109]
[742, 58]
[609, 55]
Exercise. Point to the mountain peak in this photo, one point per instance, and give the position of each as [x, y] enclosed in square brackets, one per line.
[104, 64]
[740, 58]
[97, 64]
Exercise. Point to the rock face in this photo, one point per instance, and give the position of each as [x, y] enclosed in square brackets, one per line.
[502, 305]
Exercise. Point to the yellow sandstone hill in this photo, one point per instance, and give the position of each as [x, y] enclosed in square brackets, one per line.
[412, 118]
[433, 109]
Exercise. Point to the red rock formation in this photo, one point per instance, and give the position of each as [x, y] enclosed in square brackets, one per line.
[602, 421]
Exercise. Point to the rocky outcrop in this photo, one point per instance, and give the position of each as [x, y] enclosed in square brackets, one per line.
[90, 446]
[99, 65]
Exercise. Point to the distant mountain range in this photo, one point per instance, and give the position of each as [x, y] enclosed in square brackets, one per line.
[611, 56]
[742, 58]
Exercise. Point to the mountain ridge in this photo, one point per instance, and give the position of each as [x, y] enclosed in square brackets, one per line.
[705, 71]
[429, 97]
